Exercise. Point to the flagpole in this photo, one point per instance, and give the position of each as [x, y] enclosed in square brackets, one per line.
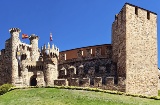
[50, 39]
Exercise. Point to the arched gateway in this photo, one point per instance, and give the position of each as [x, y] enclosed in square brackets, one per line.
[33, 81]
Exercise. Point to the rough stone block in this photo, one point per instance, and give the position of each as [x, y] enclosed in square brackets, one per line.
[18, 82]
[85, 82]
[61, 82]
[109, 81]
[98, 81]
[74, 82]
[121, 81]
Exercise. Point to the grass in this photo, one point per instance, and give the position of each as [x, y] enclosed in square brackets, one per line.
[53, 96]
[158, 92]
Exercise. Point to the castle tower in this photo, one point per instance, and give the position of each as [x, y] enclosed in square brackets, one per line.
[50, 58]
[34, 50]
[14, 47]
[134, 41]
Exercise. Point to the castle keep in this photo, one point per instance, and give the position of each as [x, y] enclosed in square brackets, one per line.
[128, 64]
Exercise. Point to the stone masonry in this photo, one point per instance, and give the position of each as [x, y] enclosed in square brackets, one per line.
[128, 64]
[135, 49]
[25, 65]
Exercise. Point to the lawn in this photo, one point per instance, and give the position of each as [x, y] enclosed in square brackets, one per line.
[53, 96]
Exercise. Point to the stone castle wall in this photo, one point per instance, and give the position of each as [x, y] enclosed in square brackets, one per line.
[134, 45]
[5, 72]
[119, 44]
[141, 51]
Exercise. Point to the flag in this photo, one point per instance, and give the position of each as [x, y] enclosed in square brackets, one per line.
[24, 36]
[51, 37]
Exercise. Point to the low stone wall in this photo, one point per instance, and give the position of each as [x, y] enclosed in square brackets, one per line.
[109, 81]
[121, 81]
[19, 82]
[121, 84]
[85, 82]
[61, 82]
[109, 84]
[97, 81]
[74, 82]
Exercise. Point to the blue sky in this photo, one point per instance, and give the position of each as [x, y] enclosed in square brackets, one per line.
[73, 23]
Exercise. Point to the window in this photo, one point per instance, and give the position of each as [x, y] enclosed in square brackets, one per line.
[121, 16]
[136, 10]
[148, 15]
[79, 53]
[116, 17]
[119, 52]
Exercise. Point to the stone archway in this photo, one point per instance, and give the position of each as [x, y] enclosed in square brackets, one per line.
[33, 81]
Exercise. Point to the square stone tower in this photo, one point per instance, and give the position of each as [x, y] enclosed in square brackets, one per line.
[134, 41]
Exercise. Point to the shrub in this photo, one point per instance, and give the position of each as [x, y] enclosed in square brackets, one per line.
[5, 88]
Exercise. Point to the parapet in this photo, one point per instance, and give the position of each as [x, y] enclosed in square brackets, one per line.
[25, 46]
[11, 30]
[50, 50]
[33, 36]
[61, 82]
[2, 52]
[140, 8]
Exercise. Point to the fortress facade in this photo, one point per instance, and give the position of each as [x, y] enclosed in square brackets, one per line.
[128, 64]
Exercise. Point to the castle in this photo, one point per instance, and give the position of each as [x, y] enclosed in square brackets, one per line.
[128, 64]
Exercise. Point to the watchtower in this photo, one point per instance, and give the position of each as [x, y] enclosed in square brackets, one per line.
[34, 49]
[50, 58]
[14, 47]
[134, 41]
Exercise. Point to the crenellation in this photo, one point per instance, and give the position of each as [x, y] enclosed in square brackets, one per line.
[14, 30]
[48, 45]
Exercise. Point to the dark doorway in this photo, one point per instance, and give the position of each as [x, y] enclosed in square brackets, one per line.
[33, 82]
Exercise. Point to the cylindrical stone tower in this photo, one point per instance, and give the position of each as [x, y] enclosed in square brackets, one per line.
[34, 50]
[50, 57]
[14, 46]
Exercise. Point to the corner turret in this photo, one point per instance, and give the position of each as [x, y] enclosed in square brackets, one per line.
[14, 47]
[50, 58]
[34, 49]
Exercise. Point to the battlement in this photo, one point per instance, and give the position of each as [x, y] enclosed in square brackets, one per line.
[109, 83]
[14, 30]
[140, 8]
[2, 52]
[25, 46]
[33, 36]
[135, 10]
[51, 51]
